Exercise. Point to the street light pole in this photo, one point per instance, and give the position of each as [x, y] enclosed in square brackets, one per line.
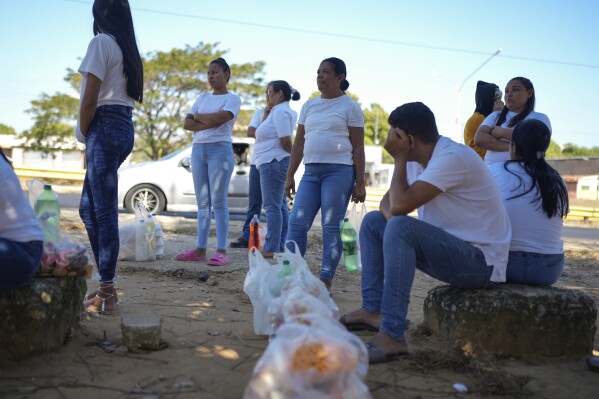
[460, 86]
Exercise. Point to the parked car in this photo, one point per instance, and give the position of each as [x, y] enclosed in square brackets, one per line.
[166, 185]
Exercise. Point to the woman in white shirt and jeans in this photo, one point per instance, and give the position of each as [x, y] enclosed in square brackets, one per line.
[536, 200]
[271, 156]
[112, 81]
[211, 118]
[330, 139]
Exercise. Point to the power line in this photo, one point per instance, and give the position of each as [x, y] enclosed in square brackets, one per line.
[352, 37]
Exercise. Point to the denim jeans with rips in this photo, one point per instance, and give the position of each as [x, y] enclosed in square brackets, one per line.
[325, 187]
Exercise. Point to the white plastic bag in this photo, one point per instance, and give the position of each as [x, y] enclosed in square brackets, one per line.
[137, 237]
[356, 215]
[35, 187]
[318, 360]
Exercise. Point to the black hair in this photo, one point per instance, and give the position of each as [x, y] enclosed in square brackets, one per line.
[416, 119]
[339, 68]
[223, 64]
[288, 92]
[531, 139]
[114, 18]
[528, 108]
[485, 97]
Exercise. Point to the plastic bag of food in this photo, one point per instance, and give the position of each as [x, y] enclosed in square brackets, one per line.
[66, 257]
[304, 361]
[137, 237]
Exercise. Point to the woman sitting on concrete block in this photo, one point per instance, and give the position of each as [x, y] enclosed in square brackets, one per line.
[536, 199]
[21, 238]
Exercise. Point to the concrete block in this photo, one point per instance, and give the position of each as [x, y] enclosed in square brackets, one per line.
[41, 316]
[513, 320]
[141, 331]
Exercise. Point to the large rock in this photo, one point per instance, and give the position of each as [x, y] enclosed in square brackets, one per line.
[41, 316]
[513, 320]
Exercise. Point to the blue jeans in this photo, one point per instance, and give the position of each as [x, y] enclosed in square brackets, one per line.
[255, 206]
[109, 142]
[20, 261]
[212, 166]
[272, 182]
[391, 251]
[533, 268]
[325, 187]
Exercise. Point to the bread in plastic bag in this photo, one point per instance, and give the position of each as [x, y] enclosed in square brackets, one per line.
[137, 237]
[307, 362]
[63, 257]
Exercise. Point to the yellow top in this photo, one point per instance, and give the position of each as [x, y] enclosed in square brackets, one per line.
[470, 131]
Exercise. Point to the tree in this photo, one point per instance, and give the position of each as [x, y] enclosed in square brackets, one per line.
[172, 81]
[5, 129]
[55, 117]
[554, 150]
[571, 150]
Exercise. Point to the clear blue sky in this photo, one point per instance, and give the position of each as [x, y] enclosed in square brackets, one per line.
[390, 48]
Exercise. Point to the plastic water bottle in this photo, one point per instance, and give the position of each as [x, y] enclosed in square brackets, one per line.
[47, 207]
[285, 270]
[159, 240]
[255, 233]
[350, 246]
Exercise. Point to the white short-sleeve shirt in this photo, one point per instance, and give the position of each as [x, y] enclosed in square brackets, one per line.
[17, 220]
[326, 124]
[491, 121]
[532, 229]
[469, 206]
[208, 103]
[279, 123]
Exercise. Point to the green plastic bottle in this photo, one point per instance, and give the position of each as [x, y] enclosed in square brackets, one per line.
[350, 246]
[47, 207]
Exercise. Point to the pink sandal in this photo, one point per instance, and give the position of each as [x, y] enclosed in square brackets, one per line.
[190, 255]
[218, 259]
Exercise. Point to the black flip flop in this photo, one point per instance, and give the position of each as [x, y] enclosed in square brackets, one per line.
[357, 326]
[376, 355]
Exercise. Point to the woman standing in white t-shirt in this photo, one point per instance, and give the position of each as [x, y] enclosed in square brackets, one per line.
[271, 155]
[495, 133]
[330, 139]
[536, 200]
[112, 80]
[211, 118]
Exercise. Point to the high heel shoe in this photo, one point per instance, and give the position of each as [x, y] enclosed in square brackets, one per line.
[104, 293]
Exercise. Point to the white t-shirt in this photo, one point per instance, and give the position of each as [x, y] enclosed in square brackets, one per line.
[208, 103]
[17, 220]
[469, 206]
[104, 59]
[326, 124]
[491, 120]
[532, 230]
[279, 123]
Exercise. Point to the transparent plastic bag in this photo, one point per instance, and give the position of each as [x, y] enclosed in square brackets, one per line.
[294, 304]
[65, 257]
[35, 187]
[137, 237]
[306, 361]
[356, 215]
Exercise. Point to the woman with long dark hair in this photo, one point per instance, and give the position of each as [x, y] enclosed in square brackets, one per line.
[536, 199]
[495, 133]
[330, 139]
[112, 81]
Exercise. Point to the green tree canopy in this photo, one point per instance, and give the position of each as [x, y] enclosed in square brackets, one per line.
[5, 129]
[172, 81]
[54, 118]
[571, 150]
[554, 150]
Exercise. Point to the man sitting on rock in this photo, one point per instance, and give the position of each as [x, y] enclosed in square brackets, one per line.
[461, 237]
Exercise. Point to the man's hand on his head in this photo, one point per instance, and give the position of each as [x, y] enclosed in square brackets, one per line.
[398, 143]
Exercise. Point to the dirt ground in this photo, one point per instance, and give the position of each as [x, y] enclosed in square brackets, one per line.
[212, 348]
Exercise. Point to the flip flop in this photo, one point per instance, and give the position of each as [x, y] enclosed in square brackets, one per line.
[357, 326]
[376, 355]
[218, 259]
[190, 255]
